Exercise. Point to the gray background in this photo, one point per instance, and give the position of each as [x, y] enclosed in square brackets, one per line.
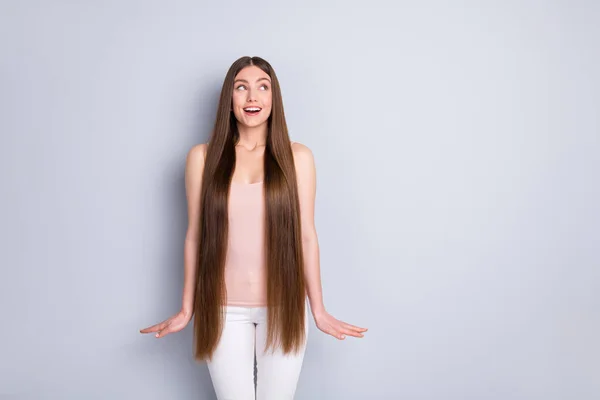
[457, 149]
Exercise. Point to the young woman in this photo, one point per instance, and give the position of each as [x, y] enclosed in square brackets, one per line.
[251, 249]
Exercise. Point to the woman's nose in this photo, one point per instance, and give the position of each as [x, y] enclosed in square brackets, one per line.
[251, 95]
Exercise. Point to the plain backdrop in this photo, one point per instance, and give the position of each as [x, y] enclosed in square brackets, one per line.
[458, 165]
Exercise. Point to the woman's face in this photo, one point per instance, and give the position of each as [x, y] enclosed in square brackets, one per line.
[252, 92]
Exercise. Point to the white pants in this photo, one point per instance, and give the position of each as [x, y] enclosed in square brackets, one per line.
[232, 366]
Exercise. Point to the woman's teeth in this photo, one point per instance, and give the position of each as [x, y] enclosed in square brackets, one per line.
[252, 110]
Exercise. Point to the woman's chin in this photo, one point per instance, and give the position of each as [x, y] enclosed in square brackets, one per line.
[252, 124]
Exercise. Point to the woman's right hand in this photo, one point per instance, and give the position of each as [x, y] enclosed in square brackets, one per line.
[174, 324]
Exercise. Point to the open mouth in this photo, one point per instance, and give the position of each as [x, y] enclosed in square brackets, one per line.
[251, 111]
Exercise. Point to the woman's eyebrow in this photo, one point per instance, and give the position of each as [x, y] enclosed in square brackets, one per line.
[245, 81]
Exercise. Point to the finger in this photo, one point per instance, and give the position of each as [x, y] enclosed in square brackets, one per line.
[346, 329]
[154, 328]
[350, 332]
[330, 330]
[338, 334]
[164, 331]
[354, 328]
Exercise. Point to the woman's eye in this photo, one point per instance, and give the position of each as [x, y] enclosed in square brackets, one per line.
[244, 87]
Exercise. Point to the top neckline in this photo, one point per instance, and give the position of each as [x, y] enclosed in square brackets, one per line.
[255, 183]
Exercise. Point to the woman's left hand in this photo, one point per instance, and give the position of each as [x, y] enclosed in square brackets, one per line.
[336, 328]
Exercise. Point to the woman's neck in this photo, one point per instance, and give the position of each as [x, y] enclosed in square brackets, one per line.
[251, 137]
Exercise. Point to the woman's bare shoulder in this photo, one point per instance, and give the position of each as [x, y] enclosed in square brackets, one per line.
[303, 158]
[195, 160]
[301, 149]
[197, 154]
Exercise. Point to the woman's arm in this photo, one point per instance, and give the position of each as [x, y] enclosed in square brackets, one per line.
[194, 167]
[307, 185]
[306, 177]
[193, 182]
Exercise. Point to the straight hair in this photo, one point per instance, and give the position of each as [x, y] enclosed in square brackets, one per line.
[286, 287]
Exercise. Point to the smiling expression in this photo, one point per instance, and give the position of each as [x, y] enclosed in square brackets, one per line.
[252, 96]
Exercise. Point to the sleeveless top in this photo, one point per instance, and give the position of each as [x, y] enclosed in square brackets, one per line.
[245, 262]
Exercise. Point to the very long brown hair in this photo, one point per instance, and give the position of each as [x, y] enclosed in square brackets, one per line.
[283, 242]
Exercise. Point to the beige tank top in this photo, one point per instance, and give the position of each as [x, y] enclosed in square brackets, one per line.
[245, 262]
